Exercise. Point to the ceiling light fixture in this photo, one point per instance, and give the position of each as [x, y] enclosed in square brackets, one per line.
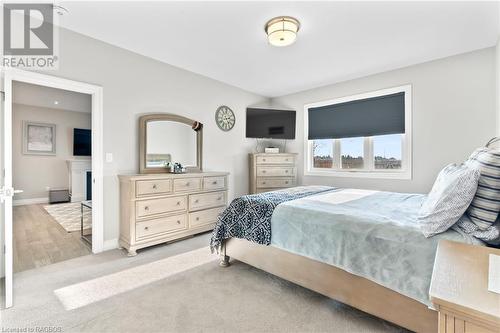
[56, 102]
[282, 30]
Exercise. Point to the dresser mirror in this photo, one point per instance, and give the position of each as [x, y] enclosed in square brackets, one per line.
[168, 138]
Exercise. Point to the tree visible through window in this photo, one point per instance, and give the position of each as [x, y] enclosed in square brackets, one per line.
[323, 153]
[387, 151]
[352, 151]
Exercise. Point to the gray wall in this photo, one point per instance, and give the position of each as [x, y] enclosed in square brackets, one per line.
[33, 173]
[134, 85]
[453, 113]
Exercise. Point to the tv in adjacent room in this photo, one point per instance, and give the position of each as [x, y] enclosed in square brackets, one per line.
[270, 123]
[82, 142]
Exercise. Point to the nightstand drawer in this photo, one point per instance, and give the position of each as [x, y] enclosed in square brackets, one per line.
[275, 171]
[278, 159]
[214, 183]
[275, 182]
[152, 187]
[146, 208]
[207, 200]
[151, 228]
[187, 184]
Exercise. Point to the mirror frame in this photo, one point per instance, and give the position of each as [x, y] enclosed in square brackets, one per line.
[144, 120]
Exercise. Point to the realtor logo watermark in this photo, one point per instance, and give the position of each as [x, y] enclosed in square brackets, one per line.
[29, 36]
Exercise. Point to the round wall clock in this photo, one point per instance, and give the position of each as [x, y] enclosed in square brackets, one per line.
[224, 117]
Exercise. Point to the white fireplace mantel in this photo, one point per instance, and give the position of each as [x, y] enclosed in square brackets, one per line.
[78, 178]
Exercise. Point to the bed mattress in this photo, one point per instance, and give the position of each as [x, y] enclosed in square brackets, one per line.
[367, 233]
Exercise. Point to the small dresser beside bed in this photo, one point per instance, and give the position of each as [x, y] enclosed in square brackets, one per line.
[372, 250]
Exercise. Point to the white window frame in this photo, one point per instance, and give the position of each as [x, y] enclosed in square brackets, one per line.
[369, 170]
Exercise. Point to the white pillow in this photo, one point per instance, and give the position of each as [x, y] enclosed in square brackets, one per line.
[451, 195]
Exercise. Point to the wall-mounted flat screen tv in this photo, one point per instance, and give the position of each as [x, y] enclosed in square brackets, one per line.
[82, 142]
[270, 123]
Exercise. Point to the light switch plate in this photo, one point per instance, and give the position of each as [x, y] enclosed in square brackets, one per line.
[109, 157]
[494, 274]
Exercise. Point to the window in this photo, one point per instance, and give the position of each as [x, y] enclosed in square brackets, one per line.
[387, 151]
[323, 154]
[367, 135]
[352, 151]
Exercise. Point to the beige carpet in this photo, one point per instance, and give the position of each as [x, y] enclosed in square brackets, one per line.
[68, 215]
[91, 291]
[204, 298]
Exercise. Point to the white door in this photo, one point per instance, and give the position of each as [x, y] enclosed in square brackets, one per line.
[6, 190]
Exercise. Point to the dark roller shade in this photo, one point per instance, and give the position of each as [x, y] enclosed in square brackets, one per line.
[365, 117]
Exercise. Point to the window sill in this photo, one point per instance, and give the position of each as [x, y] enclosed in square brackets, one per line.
[403, 175]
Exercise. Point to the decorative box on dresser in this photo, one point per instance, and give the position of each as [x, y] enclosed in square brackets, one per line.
[157, 208]
[459, 289]
[269, 172]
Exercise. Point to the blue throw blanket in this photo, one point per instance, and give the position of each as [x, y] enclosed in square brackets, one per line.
[249, 216]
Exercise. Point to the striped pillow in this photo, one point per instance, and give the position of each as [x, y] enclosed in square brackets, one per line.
[485, 206]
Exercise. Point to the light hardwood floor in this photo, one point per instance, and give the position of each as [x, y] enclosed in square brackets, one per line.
[39, 240]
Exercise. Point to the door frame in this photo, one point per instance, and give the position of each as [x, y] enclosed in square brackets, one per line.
[96, 92]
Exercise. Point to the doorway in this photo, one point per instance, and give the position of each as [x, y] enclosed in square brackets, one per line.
[11, 78]
[52, 171]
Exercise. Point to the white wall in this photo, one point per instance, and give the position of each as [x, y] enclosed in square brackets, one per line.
[34, 173]
[134, 85]
[453, 113]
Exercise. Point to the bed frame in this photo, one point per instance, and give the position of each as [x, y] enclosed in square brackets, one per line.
[335, 283]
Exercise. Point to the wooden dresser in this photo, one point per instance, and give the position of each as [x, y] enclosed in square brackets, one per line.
[269, 172]
[459, 289]
[157, 208]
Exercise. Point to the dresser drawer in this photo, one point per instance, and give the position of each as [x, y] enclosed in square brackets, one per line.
[151, 228]
[275, 159]
[267, 171]
[187, 184]
[160, 206]
[207, 200]
[275, 182]
[152, 187]
[204, 217]
[214, 183]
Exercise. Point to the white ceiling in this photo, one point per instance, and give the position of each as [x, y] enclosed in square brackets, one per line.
[40, 96]
[337, 40]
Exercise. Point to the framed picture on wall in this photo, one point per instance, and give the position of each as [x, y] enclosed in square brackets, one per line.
[39, 138]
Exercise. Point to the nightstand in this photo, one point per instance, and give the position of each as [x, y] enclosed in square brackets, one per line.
[459, 289]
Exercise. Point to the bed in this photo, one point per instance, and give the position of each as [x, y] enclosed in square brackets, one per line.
[362, 248]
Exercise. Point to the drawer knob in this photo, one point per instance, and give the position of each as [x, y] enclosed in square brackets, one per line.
[219, 198]
[264, 159]
[178, 203]
[286, 159]
[146, 208]
[197, 219]
[178, 222]
[146, 228]
[263, 171]
[286, 171]
[187, 184]
[155, 187]
[286, 182]
[214, 182]
[196, 201]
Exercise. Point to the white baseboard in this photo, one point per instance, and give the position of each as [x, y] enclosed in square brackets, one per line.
[110, 244]
[32, 201]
